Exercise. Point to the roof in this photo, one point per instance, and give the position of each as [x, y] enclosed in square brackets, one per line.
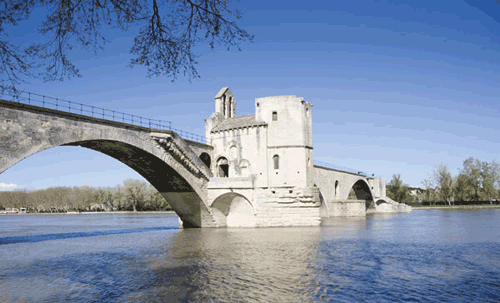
[238, 122]
[221, 92]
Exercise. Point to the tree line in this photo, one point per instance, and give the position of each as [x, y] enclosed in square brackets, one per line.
[475, 181]
[132, 195]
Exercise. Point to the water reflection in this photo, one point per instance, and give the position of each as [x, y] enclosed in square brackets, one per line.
[219, 265]
[423, 256]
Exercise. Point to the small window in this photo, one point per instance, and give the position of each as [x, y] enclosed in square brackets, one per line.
[275, 116]
[276, 160]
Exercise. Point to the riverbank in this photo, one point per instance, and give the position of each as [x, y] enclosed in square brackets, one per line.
[456, 207]
[98, 213]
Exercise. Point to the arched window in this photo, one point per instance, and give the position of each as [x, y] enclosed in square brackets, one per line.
[222, 168]
[224, 105]
[275, 116]
[205, 158]
[276, 161]
[336, 187]
[230, 110]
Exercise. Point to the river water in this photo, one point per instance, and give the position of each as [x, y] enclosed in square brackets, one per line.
[424, 256]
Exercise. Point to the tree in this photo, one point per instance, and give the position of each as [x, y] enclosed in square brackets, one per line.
[155, 200]
[488, 180]
[472, 170]
[135, 191]
[169, 31]
[398, 191]
[441, 178]
[461, 189]
[429, 192]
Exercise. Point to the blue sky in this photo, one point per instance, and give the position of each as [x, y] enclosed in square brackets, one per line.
[397, 87]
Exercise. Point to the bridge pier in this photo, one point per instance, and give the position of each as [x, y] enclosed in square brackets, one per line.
[344, 208]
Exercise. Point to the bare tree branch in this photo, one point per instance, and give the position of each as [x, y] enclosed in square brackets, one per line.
[170, 29]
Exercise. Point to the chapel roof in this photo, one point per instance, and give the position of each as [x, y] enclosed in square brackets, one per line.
[221, 92]
[238, 122]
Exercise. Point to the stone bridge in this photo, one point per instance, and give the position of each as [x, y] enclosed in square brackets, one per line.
[251, 192]
[167, 161]
[370, 193]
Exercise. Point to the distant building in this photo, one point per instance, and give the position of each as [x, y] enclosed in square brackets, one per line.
[108, 205]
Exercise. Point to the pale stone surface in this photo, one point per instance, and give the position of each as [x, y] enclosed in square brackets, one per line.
[256, 170]
[290, 192]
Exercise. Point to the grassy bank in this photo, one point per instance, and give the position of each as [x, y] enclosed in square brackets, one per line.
[456, 207]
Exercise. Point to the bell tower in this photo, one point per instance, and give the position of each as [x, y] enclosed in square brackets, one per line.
[225, 103]
[225, 108]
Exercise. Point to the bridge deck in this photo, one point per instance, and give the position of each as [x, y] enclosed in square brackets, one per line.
[81, 117]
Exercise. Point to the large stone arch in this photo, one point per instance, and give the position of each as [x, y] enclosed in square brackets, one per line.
[164, 159]
[362, 190]
[234, 210]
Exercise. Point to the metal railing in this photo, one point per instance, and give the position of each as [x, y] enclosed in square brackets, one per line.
[344, 169]
[94, 112]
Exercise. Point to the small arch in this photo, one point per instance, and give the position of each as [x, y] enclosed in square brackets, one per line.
[381, 201]
[205, 158]
[222, 167]
[276, 161]
[234, 210]
[336, 188]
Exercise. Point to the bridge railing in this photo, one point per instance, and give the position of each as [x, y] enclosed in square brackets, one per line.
[344, 169]
[94, 112]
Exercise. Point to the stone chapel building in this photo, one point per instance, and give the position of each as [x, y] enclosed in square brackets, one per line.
[267, 157]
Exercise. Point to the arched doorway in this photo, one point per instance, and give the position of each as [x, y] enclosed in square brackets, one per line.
[222, 168]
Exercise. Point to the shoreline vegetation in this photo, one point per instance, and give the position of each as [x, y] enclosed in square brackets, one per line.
[118, 212]
[133, 195]
[475, 182]
[456, 207]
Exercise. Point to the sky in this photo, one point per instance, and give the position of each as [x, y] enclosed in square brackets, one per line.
[397, 86]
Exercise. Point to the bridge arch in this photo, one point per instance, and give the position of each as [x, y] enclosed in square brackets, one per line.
[381, 201]
[362, 190]
[178, 175]
[234, 210]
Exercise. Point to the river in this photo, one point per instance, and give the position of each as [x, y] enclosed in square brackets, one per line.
[424, 256]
